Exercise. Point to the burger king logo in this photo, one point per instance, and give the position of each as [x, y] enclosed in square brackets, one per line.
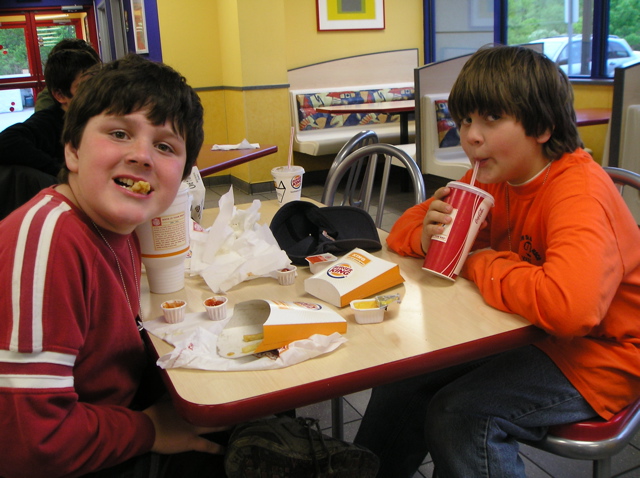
[296, 181]
[340, 271]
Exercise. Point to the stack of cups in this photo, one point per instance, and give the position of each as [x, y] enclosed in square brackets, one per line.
[288, 183]
[164, 241]
[448, 251]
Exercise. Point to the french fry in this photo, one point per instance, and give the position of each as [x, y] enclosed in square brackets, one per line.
[252, 337]
[249, 348]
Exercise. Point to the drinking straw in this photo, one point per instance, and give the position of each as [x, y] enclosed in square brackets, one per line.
[289, 160]
[475, 173]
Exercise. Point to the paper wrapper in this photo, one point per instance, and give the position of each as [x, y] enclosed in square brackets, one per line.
[244, 144]
[195, 341]
[235, 248]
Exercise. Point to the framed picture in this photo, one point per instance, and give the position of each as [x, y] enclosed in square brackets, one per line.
[481, 14]
[140, 26]
[350, 15]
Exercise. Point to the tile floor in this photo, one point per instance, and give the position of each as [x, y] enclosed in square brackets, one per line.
[538, 464]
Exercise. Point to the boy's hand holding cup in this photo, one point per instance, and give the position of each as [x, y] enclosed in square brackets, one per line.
[459, 219]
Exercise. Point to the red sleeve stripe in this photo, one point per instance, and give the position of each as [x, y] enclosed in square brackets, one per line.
[35, 273]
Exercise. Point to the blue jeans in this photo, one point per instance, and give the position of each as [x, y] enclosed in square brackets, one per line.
[469, 417]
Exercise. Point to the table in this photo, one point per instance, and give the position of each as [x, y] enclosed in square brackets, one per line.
[402, 107]
[592, 116]
[210, 161]
[438, 324]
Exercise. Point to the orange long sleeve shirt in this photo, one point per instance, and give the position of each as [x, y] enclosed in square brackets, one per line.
[574, 272]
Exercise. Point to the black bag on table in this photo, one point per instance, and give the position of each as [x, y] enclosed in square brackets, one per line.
[303, 229]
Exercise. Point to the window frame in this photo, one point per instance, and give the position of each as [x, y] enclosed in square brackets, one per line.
[600, 22]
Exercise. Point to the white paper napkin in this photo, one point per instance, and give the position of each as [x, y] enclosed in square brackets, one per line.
[235, 248]
[196, 338]
[244, 144]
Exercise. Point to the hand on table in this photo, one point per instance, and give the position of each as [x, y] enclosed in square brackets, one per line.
[175, 435]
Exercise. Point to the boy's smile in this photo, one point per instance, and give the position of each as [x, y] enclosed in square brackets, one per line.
[502, 148]
[126, 170]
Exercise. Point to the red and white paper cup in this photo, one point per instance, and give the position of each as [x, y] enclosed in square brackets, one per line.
[448, 251]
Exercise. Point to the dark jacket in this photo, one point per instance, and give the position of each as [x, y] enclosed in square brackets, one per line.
[36, 142]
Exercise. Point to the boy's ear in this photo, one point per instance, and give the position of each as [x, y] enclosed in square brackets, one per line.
[71, 157]
[60, 97]
[544, 137]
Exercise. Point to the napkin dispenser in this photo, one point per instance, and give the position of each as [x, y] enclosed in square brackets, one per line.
[355, 275]
[263, 325]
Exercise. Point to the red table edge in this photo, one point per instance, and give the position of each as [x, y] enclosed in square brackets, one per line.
[254, 154]
[287, 399]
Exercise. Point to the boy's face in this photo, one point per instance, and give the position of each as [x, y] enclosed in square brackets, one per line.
[117, 156]
[502, 148]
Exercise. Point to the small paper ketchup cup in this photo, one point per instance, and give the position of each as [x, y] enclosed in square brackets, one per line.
[287, 276]
[173, 310]
[216, 307]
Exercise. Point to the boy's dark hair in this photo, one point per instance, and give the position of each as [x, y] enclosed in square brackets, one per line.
[522, 83]
[74, 44]
[63, 67]
[133, 84]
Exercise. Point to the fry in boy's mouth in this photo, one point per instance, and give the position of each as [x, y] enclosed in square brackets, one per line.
[140, 187]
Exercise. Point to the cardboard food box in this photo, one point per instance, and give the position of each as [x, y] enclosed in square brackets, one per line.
[262, 325]
[355, 275]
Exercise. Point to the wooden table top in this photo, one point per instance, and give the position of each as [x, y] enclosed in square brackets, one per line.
[210, 161]
[439, 323]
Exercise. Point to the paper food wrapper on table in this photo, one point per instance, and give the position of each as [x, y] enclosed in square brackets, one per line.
[244, 144]
[235, 248]
[262, 325]
[355, 275]
[197, 192]
[196, 338]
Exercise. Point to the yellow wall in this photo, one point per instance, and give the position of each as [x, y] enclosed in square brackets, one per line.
[236, 54]
[593, 96]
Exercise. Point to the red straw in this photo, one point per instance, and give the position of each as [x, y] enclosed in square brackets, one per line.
[289, 161]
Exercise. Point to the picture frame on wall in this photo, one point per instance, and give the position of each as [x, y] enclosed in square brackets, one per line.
[140, 26]
[335, 15]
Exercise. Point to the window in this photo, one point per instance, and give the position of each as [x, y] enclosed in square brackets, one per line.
[571, 31]
[26, 38]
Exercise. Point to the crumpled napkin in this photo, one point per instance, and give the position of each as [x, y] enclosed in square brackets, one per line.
[195, 342]
[235, 248]
[244, 144]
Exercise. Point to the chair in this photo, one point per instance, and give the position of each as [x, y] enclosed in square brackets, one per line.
[363, 200]
[18, 184]
[597, 440]
[361, 139]
[351, 159]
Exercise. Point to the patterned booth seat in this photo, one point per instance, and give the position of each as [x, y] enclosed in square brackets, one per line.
[324, 133]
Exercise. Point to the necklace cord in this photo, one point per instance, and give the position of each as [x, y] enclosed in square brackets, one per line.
[135, 275]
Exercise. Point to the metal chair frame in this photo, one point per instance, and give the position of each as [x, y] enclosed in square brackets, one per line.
[361, 139]
[363, 199]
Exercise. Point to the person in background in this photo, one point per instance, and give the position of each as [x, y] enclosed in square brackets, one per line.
[44, 99]
[36, 142]
[74, 398]
[560, 248]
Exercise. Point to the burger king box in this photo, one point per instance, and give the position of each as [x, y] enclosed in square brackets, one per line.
[262, 325]
[355, 275]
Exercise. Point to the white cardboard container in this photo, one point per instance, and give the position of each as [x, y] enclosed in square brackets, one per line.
[280, 323]
[355, 275]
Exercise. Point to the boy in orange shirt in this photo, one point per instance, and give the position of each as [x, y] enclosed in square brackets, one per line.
[560, 248]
